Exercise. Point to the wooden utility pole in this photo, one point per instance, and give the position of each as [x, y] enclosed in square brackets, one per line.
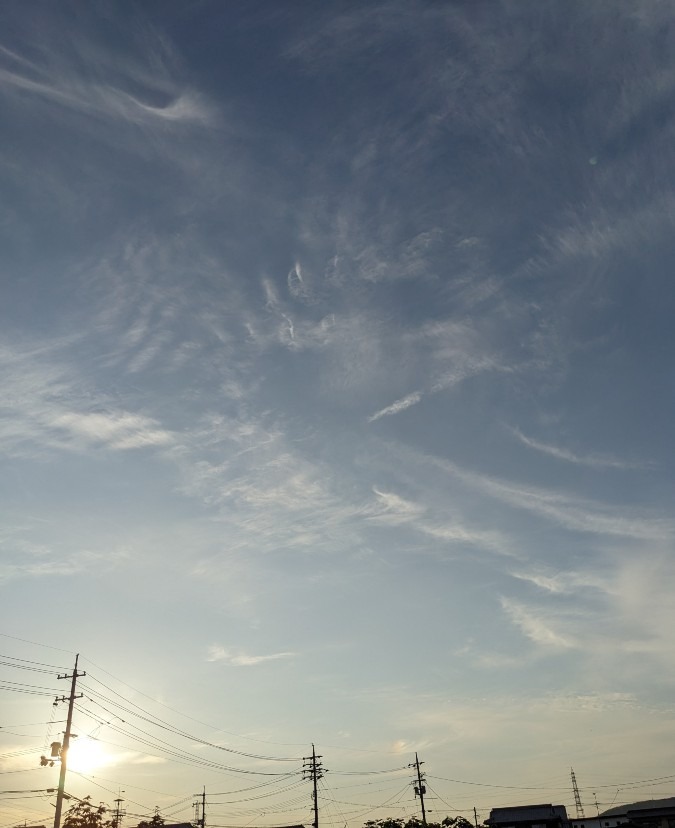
[66, 739]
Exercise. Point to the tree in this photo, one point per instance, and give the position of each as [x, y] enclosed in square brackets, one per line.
[157, 821]
[84, 814]
[416, 822]
[456, 822]
[388, 822]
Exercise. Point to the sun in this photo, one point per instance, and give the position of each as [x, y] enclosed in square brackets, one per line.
[86, 754]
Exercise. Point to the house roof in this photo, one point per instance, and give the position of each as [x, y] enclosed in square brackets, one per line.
[622, 810]
[528, 813]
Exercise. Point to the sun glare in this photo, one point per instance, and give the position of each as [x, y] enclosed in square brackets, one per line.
[85, 754]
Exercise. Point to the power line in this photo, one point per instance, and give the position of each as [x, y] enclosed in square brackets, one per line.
[262, 796]
[368, 773]
[185, 715]
[29, 692]
[31, 686]
[157, 722]
[176, 752]
[26, 667]
[506, 787]
[36, 643]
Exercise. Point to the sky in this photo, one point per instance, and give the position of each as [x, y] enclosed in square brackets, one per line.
[336, 357]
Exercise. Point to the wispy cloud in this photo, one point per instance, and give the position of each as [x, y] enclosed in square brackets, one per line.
[396, 407]
[119, 430]
[570, 511]
[565, 583]
[459, 533]
[218, 653]
[140, 92]
[536, 625]
[46, 407]
[24, 560]
[392, 508]
[614, 607]
[593, 460]
[449, 352]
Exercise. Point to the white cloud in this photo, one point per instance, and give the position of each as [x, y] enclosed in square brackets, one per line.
[47, 406]
[565, 583]
[570, 511]
[22, 559]
[218, 653]
[54, 78]
[120, 430]
[398, 406]
[536, 625]
[391, 508]
[458, 532]
[593, 460]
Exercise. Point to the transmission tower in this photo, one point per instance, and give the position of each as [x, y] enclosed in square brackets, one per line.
[577, 798]
[313, 769]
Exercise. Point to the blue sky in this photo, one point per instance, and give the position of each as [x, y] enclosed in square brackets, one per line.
[336, 350]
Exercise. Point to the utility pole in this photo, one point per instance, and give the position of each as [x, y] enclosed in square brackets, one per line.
[313, 769]
[420, 789]
[475, 817]
[66, 739]
[200, 821]
[119, 813]
[577, 798]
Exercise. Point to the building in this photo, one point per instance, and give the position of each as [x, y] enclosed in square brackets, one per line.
[650, 813]
[529, 816]
[600, 821]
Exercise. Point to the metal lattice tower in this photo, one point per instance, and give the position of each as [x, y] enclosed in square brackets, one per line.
[577, 798]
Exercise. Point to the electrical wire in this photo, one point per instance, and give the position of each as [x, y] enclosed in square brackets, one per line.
[324, 785]
[34, 666]
[29, 692]
[36, 643]
[261, 796]
[173, 750]
[157, 722]
[367, 773]
[185, 715]
[438, 796]
[506, 787]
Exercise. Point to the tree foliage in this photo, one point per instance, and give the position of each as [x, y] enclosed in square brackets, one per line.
[157, 821]
[84, 814]
[456, 822]
[416, 822]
